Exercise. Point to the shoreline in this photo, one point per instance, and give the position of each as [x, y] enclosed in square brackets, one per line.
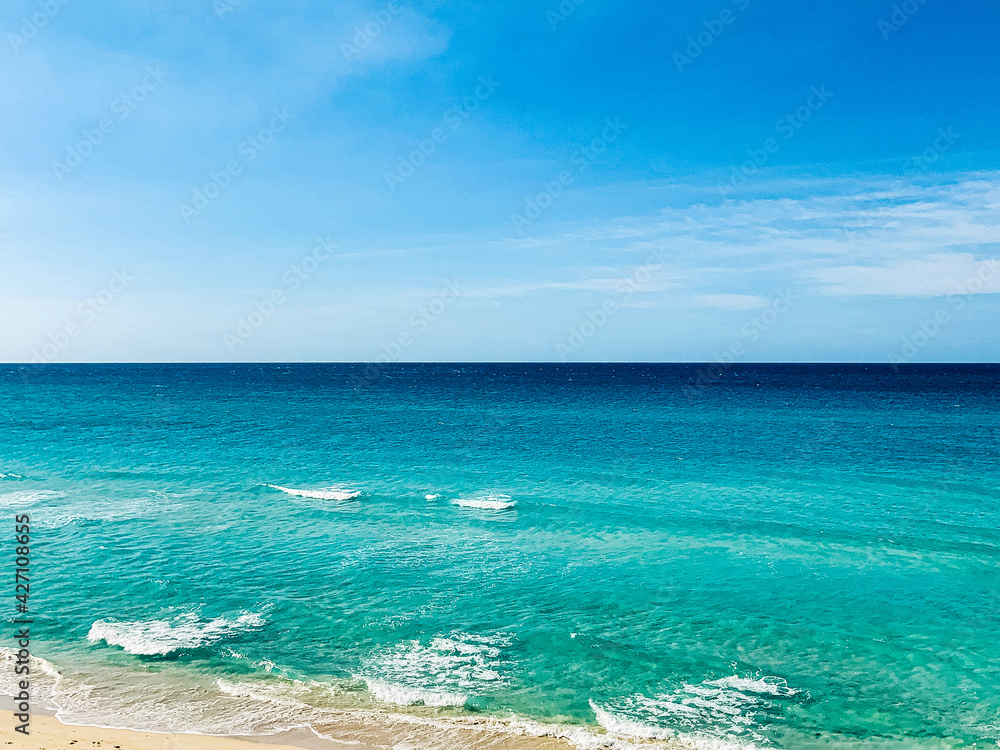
[48, 733]
[286, 721]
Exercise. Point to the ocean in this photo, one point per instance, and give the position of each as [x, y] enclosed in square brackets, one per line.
[513, 555]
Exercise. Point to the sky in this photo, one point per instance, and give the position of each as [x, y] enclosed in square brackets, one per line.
[718, 180]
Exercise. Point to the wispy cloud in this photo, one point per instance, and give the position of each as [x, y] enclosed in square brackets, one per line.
[729, 301]
[879, 238]
[606, 285]
[937, 276]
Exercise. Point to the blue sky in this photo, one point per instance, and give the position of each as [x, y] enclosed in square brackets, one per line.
[729, 180]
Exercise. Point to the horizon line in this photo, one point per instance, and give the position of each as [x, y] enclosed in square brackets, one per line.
[382, 365]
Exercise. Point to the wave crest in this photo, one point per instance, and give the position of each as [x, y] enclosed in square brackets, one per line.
[486, 502]
[709, 712]
[331, 493]
[628, 727]
[162, 637]
[445, 672]
[401, 695]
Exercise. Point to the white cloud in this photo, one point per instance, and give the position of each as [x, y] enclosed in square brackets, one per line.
[867, 238]
[610, 285]
[931, 277]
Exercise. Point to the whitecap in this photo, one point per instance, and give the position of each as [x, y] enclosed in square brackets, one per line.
[161, 637]
[486, 502]
[712, 711]
[330, 493]
[444, 672]
[628, 727]
[23, 498]
[431, 497]
[401, 695]
[622, 728]
[763, 685]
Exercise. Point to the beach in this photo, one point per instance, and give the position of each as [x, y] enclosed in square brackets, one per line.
[47, 733]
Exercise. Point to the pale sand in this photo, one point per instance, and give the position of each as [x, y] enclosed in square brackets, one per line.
[48, 733]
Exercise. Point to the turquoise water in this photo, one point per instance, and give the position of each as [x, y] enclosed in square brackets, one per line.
[784, 556]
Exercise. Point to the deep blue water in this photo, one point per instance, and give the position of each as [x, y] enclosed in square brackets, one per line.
[779, 555]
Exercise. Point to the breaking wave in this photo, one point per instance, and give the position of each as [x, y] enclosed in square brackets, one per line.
[331, 493]
[401, 695]
[722, 710]
[162, 637]
[447, 671]
[486, 502]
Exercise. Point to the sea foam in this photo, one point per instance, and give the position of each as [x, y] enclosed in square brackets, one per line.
[445, 672]
[161, 637]
[711, 715]
[486, 502]
[23, 498]
[331, 493]
[628, 727]
[626, 733]
[775, 686]
[401, 695]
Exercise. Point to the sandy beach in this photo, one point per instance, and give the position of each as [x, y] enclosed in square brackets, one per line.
[48, 733]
